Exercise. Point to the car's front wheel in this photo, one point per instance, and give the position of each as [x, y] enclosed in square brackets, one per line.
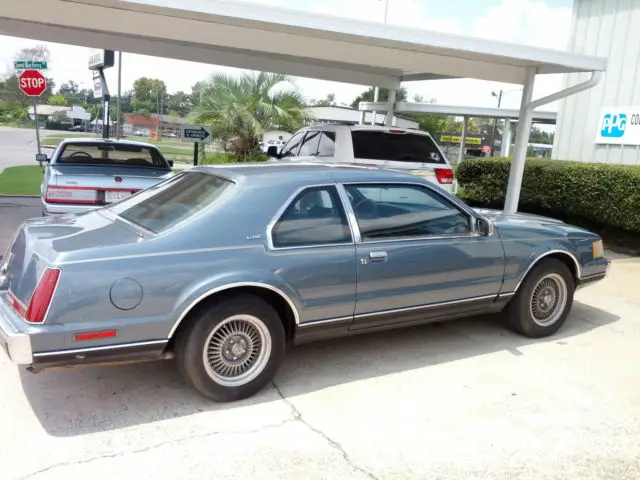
[231, 350]
[544, 300]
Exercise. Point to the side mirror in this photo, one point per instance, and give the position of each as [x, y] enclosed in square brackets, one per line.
[41, 157]
[170, 163]
[272, 151]
[484, 226]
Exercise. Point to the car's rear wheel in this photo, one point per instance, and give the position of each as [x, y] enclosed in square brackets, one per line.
[544, 300]
[232, 349]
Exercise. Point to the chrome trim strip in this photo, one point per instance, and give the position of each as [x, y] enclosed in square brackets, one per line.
[506, 295]
[283, 208]
[328, 320]
[351, 215]
[100, 348]
[158, 254]
[427, 306]
[228, 287]
[545, 254]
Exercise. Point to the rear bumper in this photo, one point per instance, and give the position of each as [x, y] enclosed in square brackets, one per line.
[62, 209]
[15, 342]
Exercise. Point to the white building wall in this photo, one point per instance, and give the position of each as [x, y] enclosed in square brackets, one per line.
[607, 28]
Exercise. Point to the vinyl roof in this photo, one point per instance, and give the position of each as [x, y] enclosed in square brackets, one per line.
[266, 38]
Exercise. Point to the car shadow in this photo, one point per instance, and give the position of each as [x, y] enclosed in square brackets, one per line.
[70, 402]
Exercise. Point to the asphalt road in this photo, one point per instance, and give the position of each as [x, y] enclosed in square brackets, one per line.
[18, 146]
[461, 400]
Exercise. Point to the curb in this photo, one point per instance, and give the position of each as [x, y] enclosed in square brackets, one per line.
[2, 195]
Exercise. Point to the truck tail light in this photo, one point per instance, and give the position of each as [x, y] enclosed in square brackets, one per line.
[38, 306]
[56, 194]
[444, 175]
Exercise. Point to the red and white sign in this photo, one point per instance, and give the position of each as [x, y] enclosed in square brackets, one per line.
[32, 83]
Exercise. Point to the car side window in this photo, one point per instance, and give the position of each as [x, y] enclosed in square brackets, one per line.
[310, 144]
[292, 146]
[396, 211]
[314, 217]
[327, 145]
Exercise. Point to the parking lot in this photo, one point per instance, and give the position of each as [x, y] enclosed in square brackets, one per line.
[466, 399]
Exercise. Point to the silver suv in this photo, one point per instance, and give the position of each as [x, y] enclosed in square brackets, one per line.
[412, 151]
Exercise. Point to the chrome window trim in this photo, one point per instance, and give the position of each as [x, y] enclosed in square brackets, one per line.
[229, 286]
[100, 348]
[546, 254]
[472, 225]
[287, 203]
[351, 215]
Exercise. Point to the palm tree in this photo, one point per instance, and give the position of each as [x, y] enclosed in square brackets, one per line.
[241, 109]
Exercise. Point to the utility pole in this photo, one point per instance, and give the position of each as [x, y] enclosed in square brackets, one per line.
[495, 122]
[376, 90]
[118, 124]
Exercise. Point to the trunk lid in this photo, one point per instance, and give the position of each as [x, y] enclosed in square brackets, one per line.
[39, 243]
[100, 184]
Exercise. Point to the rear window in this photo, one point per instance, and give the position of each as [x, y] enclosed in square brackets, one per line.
[111, 154]
[398, 147]
[162, 206]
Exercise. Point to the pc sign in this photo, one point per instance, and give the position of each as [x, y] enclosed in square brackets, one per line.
[619, 126]
[32, 83]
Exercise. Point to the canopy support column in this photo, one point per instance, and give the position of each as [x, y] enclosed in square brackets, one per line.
[463, 139]
[388, 119]
[506, 138]
[522, 141]
[524, 130]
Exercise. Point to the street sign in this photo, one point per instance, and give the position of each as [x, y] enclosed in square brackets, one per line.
[32, 83]
[196, 133]
[29, 65]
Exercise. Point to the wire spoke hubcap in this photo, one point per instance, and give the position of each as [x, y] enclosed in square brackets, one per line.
[548, 300]
[237, 350]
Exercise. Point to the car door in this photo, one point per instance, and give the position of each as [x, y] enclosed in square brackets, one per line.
[311, 247]
[419, 255]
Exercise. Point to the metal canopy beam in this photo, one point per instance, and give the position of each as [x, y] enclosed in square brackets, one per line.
[457, 111]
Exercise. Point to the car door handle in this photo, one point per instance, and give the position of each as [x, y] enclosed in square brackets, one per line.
[378, 256]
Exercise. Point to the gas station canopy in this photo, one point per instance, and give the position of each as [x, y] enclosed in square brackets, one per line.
[259, 37]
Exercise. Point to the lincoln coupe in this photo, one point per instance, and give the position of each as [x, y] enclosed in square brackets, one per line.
[219, 268]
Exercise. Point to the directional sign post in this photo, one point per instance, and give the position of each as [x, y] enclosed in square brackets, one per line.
[33, 84]
[196, 134]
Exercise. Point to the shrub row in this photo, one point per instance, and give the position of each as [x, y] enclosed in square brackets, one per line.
[606, 195]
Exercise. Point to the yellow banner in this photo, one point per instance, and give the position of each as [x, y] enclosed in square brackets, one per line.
[469, 140]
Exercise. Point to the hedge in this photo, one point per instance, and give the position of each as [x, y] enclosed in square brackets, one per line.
[606, 195]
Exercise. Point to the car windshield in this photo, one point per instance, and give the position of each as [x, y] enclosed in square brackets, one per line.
[164, 205]
[121, 154]
[397, 147]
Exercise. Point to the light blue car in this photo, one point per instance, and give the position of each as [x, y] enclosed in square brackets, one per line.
[220, 267]
[88, 173]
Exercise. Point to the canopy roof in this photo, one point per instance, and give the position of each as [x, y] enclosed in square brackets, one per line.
[265, 38]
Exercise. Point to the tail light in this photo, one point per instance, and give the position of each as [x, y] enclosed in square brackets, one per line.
[55, 194]
[38, 306]
[444, 175]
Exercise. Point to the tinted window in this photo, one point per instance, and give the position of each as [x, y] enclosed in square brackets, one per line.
[110, 154]
[292, 146]
[160, 207]
[399, 147]
[397, 211]
[327, 146]
[310, 144]
[315, 217]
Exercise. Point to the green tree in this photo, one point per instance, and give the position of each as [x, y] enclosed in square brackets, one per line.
[327, 101]
[179, 103]
[58, 101]
[149, 96]
[383, 95]
[241, 109]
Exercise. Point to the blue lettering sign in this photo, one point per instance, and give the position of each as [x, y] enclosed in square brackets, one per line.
[613, 125]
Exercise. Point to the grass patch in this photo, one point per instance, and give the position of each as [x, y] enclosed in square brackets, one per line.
[21, 180]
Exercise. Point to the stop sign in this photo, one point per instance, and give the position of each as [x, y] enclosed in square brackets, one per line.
[32, 83]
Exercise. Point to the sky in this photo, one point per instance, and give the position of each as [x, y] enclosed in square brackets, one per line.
[542, 23]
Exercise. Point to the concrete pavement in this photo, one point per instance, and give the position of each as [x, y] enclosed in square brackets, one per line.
[465, 399]
[19, 146]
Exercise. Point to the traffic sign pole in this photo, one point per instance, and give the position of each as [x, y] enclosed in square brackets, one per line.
[195, 154]
[35, 115]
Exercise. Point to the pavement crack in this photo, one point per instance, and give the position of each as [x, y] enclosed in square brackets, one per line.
[157, 445]
[297, 416]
